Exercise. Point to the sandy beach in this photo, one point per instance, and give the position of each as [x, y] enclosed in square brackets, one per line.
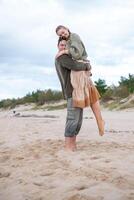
[34, 165]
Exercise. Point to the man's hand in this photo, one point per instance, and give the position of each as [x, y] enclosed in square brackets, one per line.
[61, 53]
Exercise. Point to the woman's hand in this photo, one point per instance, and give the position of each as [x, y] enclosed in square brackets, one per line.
[61, 53]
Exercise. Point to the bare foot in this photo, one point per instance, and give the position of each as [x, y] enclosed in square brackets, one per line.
[70, 148]
[101, 125]
[70, 143]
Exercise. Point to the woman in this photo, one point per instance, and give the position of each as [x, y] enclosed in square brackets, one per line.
[76, 49]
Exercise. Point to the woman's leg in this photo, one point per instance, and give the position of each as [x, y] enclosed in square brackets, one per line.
[97, 112]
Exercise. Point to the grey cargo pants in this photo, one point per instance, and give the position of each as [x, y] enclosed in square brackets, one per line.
[74, 119]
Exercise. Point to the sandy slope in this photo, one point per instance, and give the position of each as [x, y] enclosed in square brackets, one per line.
[34, 165]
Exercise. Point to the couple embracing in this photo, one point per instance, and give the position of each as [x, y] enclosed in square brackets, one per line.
[74, 72]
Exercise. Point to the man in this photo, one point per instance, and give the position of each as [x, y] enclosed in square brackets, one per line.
[64, 64]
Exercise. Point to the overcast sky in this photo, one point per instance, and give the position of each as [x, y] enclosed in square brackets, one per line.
[28, 42]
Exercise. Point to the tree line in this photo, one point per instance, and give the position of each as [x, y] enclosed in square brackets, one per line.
[124, 89]
[40, 97]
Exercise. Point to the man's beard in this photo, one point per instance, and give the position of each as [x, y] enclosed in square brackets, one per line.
[63, 38]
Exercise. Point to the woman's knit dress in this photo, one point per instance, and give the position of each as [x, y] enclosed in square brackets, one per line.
[84, 92]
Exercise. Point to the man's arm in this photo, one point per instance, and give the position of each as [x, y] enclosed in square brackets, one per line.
[67, 62]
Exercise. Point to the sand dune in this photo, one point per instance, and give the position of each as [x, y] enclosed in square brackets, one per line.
[34, 165]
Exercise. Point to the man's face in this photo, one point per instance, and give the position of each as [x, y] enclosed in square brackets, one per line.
[62, 45]
[63, 33]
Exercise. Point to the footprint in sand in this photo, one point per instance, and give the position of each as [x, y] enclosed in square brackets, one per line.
[47, 186]
[39, 198]
[16, 165]
[81, 187]
[38, 183]
[131, 196]
[4, 158]
[107, 161]
[46, 174]
[80, 197]
[4, 174]
[35, 132]
[94, 158]
[19, 158]
[22, 138]
[2, 142]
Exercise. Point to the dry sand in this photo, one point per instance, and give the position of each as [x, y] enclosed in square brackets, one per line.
[34, 165]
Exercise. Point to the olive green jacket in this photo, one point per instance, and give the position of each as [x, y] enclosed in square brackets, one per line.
[76, 47]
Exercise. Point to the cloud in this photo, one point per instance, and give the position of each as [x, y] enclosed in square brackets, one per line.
[18, 85]
[111, 74]
[28, 42]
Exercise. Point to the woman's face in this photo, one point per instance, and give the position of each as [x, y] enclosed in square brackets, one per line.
[63, 33]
